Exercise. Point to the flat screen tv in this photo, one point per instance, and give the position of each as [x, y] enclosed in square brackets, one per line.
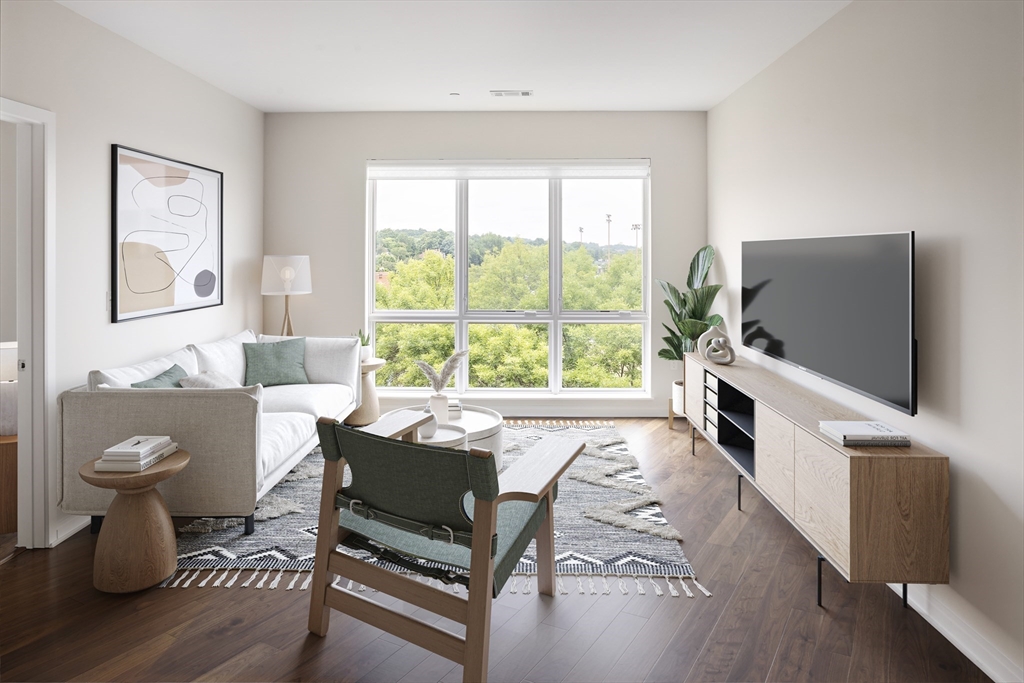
[841, 308]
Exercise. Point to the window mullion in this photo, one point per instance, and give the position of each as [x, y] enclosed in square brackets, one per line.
[555, 284]
[462, 280]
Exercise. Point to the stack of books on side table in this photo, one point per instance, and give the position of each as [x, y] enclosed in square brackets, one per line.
[855, 433]
[136, 454]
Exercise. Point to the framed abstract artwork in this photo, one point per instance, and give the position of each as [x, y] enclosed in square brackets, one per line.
[166, 235]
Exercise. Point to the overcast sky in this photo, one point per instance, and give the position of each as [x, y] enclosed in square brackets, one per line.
[515, 208]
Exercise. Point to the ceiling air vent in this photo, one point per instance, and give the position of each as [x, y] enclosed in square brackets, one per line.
[512, 93]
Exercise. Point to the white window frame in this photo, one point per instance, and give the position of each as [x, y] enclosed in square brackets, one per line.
[554, 172]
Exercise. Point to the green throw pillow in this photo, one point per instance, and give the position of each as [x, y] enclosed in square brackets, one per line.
[276, 363]
[168, 379]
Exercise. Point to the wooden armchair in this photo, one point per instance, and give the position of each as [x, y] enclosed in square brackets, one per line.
[437, 512]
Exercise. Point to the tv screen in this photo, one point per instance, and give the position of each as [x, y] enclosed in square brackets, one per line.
[841, 308]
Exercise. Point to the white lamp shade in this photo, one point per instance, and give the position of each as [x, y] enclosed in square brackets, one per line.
[286, 275]
[8, 361]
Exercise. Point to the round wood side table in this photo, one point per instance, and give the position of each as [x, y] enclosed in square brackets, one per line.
[136, 547]
[368, 411]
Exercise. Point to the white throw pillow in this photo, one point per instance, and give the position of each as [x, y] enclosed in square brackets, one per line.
[225, 356]
[122, 378]
[209, 379]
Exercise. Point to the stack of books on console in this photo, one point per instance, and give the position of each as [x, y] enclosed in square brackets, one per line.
[855, 433]
[136, 454]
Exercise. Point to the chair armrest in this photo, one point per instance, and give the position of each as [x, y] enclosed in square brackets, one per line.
[533, 475]
[402, 424]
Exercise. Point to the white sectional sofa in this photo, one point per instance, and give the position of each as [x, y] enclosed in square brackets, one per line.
[242, 440]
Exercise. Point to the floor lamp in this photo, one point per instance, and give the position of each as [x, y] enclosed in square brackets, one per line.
[286, 275]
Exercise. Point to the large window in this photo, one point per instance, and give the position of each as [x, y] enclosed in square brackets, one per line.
[462, 257]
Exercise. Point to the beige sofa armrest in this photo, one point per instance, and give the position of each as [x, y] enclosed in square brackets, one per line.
[220, 428]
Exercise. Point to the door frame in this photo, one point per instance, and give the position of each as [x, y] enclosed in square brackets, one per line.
[40, 521]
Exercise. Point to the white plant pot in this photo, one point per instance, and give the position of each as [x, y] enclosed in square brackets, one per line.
[677, 397]
[365, 353]
[439, 407]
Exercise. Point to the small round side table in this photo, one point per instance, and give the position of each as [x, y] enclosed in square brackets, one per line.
[368, 411]
[136, 547]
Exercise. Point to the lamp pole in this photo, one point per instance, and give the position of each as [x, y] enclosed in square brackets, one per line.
[636, 238]
[581, 235]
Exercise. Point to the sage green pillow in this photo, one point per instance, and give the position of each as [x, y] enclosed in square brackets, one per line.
[276, 363]
[168, 379]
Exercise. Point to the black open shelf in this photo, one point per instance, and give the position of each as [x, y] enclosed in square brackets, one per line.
[736, 425]
[744, 421]
[744, 457]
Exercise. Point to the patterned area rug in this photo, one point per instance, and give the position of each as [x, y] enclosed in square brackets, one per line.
[610, 532]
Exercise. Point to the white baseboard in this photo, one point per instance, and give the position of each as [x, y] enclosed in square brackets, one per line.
[995, 663]
[67, 528]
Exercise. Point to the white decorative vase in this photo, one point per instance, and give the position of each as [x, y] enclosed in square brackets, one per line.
[677, 397]
[439, 407]
[714, 332]
[428, 430]
[365, 353]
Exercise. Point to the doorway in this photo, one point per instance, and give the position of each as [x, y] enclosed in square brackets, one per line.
[28, 151]
[8, 339]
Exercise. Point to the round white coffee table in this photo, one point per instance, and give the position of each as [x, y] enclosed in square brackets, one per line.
[482, 425]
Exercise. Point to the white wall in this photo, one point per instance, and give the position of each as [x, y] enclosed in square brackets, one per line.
[8, 232]
[316, 203]
[106, 90]
[908, 116]
[103, 90]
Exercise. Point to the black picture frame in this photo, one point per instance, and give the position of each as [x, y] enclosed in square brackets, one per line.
[166, 246]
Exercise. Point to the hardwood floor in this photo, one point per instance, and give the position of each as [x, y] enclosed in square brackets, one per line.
[762, 623]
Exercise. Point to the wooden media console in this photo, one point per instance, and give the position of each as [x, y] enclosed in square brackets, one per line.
[877, 514]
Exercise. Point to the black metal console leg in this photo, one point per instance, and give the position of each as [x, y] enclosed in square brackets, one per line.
[739, 492]
[94, 524]
[250, 524]
[693, 441]
[820, 560]
[904, 596]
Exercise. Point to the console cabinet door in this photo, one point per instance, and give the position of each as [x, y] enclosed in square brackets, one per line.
[693, 377]
[773, 453]
[822, 503]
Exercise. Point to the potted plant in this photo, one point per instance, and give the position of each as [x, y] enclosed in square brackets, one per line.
[438, 402]
[690, 312]
[366, 352]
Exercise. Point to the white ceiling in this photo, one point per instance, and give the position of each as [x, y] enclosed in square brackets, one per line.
[379, 55]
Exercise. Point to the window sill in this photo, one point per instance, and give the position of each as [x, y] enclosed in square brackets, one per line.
[411, 396]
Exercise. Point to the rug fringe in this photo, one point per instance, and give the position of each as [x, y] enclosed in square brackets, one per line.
[566, 424]
[520, 582]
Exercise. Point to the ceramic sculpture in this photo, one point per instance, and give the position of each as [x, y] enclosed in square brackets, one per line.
[721, 351]
[714, 332]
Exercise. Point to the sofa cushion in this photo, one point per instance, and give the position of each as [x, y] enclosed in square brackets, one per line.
[328, 360]
[224, 356]
[123, 377]
[281, 434]
[210, 379]
[315, 400]
[168, 379]
[277, 363]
